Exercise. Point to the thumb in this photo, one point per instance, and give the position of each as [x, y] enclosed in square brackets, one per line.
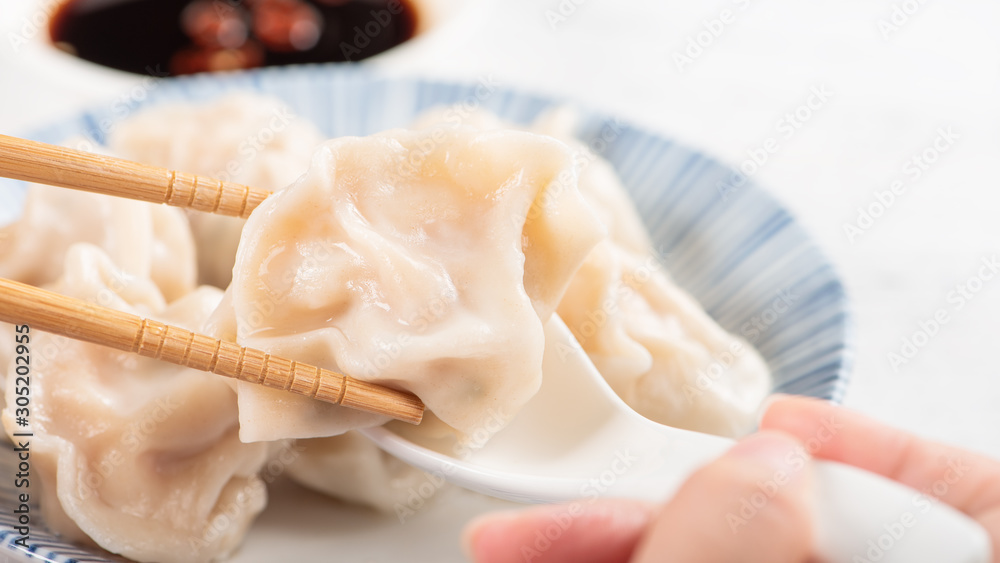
[750, 505]
[603, 531]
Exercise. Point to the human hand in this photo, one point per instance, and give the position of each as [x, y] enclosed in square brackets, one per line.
[703, 521]
[967, 481]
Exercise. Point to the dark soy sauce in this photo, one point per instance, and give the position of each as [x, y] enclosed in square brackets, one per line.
[187, 36]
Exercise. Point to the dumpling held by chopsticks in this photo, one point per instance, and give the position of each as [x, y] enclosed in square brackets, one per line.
[426, 260]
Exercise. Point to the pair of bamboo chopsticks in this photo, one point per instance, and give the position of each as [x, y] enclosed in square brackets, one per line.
[31, 161]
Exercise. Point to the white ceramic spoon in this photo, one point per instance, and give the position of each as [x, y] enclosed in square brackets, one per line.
[576, 440]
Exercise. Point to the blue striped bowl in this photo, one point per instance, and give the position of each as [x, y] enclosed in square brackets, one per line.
[735, 249]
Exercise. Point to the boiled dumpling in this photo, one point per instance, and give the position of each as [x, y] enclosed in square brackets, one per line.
[141, 456]
[244, 138]
[352, 468]
[145, 240]
[423, 261]
[651, 340]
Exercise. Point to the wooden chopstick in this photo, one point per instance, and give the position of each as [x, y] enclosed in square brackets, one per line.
[32, 161]
[80, 320]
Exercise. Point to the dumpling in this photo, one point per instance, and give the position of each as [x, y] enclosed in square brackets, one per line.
[140, 456]
[652, 341]
[425, 261]
[147, 241]
[352, 468]
[244, 138]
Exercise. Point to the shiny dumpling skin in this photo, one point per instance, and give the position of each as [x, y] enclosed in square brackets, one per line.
[141, 457]
[146, 240]
[249, 139]
[426, 261]
[652, 341]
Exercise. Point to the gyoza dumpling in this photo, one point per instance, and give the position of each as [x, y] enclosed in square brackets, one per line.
[243, 138]
[145, 240]
[422, 261]
[141, 456]
[652, 341]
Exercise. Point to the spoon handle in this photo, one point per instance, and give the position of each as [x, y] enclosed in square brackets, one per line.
[862, 517]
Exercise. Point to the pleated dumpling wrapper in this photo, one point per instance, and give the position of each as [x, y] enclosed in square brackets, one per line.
[427, 261]
[651, 340]
[140, 456]
[146, 240]
[245, 138]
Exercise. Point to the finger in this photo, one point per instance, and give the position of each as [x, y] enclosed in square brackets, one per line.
[751, 505]
[967, 481]
[604, 531]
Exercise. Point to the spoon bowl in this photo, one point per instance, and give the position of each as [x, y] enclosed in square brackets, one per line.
[575, 438]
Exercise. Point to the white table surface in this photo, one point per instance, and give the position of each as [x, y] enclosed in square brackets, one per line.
[889, 97]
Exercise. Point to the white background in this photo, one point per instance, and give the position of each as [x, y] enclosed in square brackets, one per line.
[891, 92]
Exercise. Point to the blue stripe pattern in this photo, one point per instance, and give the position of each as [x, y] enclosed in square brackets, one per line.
[740, 255]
